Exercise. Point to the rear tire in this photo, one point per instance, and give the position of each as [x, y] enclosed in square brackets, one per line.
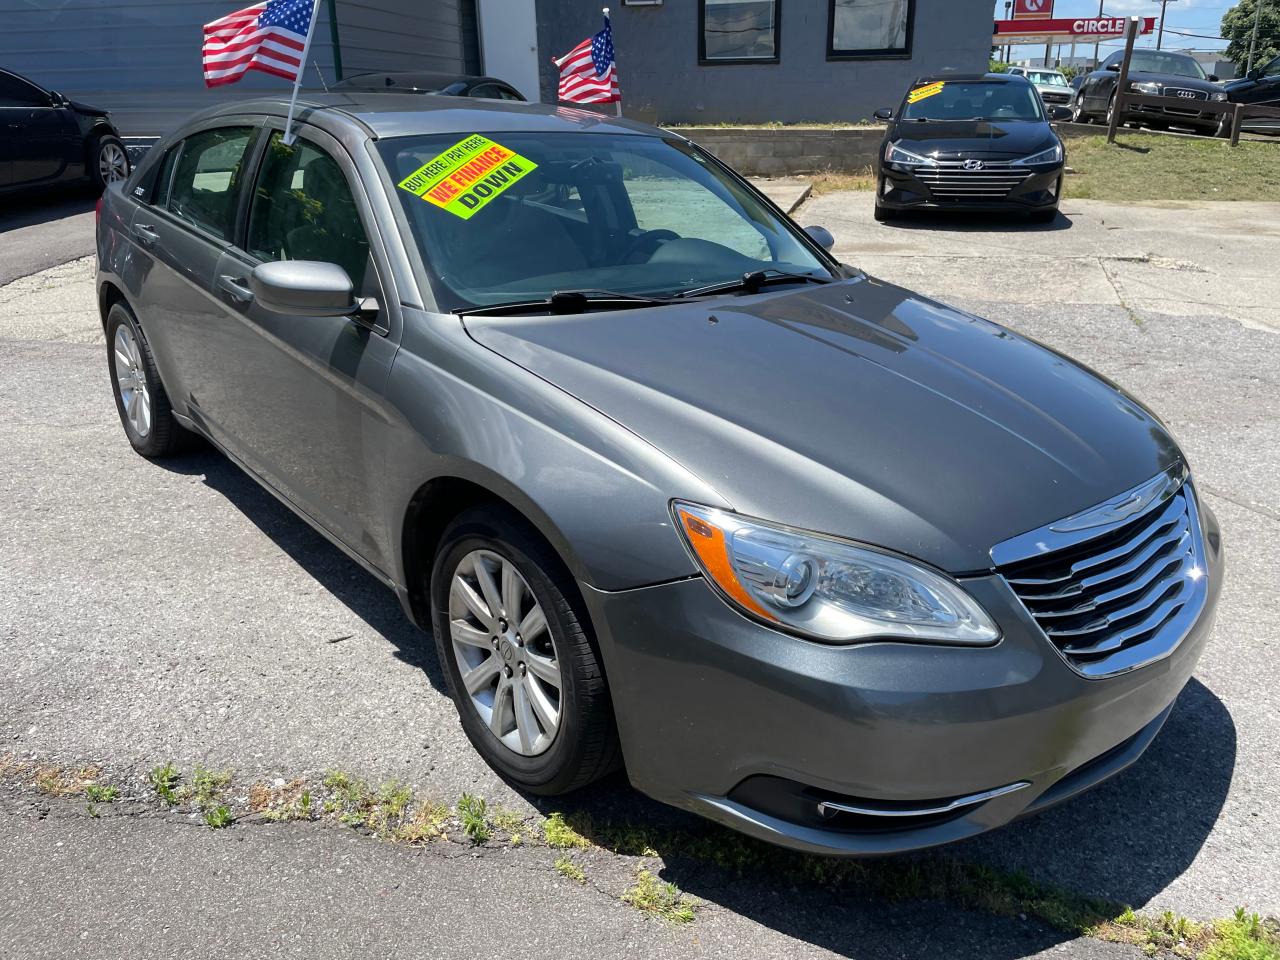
[141, 401]
[507, 670]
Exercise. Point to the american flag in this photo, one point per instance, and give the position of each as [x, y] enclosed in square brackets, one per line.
[270, 37]
[588, 73]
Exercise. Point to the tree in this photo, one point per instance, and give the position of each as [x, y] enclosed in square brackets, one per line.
[1237, 26]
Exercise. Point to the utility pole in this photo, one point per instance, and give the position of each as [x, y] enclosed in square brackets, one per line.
[1164, 5]
[1253, 44]
[1097, 47]
[1008, 47]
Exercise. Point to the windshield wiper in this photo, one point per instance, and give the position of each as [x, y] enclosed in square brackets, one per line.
[568, 301]
[752, 282]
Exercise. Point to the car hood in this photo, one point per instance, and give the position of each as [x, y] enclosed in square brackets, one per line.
[1173, 80]
[857, 409]
[961, 139]
[87, 110]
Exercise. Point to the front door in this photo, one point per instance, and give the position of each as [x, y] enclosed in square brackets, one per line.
[33, 132]
[1265, 91]
[303, 395]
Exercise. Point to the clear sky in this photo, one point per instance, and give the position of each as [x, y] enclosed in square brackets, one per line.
[1186, 16]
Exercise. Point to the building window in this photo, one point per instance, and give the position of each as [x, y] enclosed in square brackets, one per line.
[738, 31]
[870, 28]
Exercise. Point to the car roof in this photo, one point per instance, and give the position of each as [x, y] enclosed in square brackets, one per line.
[421, 79]
[970, 78]
[368, 115]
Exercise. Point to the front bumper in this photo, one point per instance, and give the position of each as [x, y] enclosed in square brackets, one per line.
[906, 188]
[753, 728]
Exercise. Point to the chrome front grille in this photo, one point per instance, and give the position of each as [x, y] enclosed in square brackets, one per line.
[949, 180]
[1056, 97]
[1189, 95]
[1125, 595]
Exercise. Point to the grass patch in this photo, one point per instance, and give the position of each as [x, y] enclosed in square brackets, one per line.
[659, 899]
[164, 780]
[471, 811]
[560, 836]
[834, 182]
[427, 823]
[570, 870]
[58, 782]
[207, 786]
[1148, 166]
[97, 793]
[218, 817]
[350, 798]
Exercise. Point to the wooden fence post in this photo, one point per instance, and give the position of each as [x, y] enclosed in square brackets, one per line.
[1237, 121]
[1122, 81]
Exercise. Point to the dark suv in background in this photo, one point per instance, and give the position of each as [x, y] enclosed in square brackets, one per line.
[46, 138]
[1153, 73]
[1260, 88]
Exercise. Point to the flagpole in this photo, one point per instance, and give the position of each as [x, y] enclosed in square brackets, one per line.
[617, 104]
[297, 81]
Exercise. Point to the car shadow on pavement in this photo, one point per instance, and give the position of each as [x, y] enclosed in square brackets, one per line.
[957, 222]
[1123, 842]
[346, 580]
[34, 207]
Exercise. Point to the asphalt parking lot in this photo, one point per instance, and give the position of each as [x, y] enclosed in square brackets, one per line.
[157, 612]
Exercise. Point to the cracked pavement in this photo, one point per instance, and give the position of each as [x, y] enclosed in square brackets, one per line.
[155, 612]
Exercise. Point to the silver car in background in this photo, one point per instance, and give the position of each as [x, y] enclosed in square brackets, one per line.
[1052, 85]
[675, 491]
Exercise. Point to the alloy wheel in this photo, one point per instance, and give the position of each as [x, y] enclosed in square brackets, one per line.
[131, 381]
[505, 654]
[113, 162]
[1077, 110]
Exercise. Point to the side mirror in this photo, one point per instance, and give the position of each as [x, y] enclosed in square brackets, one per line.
[305, 287]
[56, 99]
[1113, 67]
[1058, 114]
[821, 236]
[1213, 78]
[884, 113]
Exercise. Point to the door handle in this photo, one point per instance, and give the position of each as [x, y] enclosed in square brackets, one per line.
[234, 288]
[146, 234]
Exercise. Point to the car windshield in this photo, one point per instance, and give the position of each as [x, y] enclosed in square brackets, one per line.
[973, 100]
[1177, 65]
[512, 216]
[1047, 78]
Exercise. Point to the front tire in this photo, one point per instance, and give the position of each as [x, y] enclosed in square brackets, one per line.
[1078, 114]
[141, 401]
[522, 670]
[108, 161]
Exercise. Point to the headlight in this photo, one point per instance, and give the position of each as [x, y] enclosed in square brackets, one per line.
[1052, 155]
[1218, 97]
[895, 154]
[824, 588]
[1149, 89]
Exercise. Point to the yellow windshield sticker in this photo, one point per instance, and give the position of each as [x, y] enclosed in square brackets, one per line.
[919, 93]
[467, 176]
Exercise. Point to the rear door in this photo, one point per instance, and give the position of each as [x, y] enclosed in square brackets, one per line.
[303, 395]
[32, 131]
[179, 232]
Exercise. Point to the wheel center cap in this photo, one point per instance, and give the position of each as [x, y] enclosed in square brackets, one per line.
[507, 650]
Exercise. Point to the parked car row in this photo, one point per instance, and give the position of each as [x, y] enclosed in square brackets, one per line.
[1164, 73]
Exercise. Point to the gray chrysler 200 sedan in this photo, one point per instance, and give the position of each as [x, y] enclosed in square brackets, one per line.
[807, 553]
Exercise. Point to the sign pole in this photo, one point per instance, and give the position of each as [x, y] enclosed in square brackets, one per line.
[617, 104]
[1253, 43]
[297, 81]
[1122, 81]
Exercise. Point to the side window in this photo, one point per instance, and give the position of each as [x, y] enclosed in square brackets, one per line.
[164, 176]
[206, 178]
[303, 210]
[1272, 69]
[15, 92]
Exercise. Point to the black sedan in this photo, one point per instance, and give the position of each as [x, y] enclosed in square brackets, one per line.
[46, 138]
[445, 84]
[1261, 88]
[1152, 73]
[979, 142]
